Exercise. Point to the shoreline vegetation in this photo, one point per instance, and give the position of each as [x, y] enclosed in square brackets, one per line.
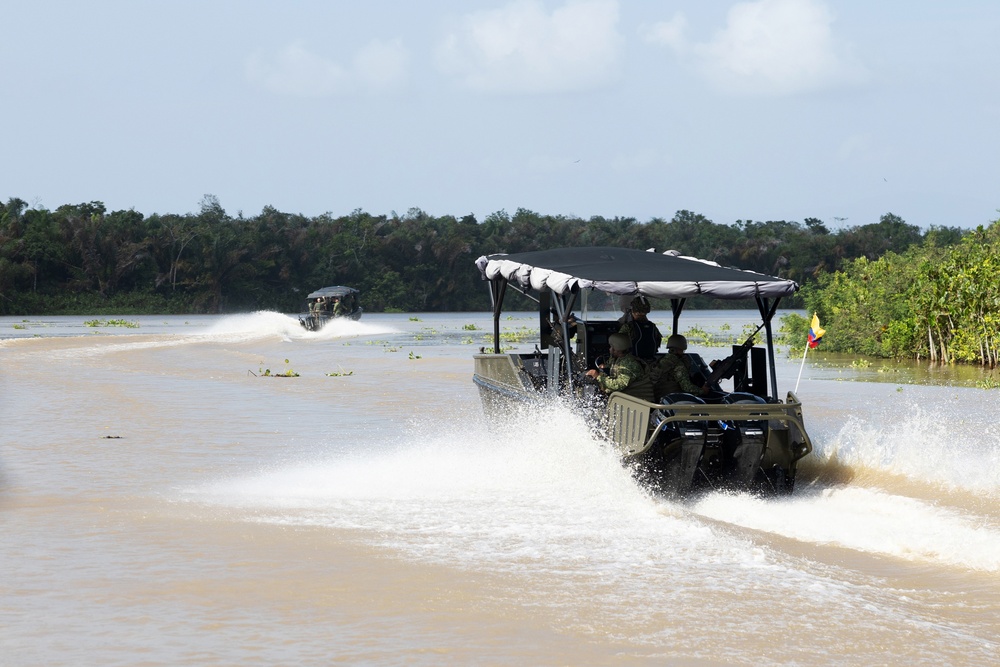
[884, 289]
[928, 302]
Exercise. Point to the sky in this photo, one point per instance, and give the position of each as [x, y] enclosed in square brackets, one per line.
[841, 110]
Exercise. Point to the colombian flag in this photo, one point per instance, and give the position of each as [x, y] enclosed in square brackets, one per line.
[815, 331]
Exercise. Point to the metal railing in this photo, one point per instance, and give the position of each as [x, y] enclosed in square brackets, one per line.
[631, 430]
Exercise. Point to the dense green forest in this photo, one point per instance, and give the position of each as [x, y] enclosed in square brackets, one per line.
[82, 258]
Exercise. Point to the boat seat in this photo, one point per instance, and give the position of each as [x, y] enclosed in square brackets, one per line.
[742, 397]
[676, 398]
[681, 397]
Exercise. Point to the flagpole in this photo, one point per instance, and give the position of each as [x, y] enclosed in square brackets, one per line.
[812, 340]
[801, 366]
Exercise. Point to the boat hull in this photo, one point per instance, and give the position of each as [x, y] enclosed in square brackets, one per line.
[315, 322]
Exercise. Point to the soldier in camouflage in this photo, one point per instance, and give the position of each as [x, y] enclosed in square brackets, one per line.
[645, 335]
[626, 373]
[672, 372]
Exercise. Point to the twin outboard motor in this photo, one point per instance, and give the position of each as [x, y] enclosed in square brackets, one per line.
[708, 447]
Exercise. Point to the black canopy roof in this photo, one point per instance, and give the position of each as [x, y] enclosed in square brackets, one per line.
[335, 290]
[626, 271]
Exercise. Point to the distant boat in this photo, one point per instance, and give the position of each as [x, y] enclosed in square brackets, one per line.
[330, 303]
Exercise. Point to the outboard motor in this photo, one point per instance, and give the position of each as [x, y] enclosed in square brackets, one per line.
[751, 442]
[691, 436]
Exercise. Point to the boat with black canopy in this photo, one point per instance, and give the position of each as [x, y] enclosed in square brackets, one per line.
[743, 438]
[329, 303]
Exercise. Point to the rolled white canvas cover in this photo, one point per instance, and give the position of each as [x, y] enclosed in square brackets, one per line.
[628, 272]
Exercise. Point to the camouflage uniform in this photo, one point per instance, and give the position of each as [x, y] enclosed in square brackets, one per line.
[673, 376]
[628, 375]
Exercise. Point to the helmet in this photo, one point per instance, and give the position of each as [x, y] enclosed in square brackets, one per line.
[640, 304]
[678, 342]
[619, 342]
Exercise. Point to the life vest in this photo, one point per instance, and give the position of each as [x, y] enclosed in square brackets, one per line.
[645, 337]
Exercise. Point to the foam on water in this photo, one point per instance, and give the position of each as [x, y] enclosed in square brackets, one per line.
[543, 510]
[867, 520]
[540, 501]
[956, 446]
[543, 485]
[269, 323]
[943, 446]
[540, 489]
[231, 329]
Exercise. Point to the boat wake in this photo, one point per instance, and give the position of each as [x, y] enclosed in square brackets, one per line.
[231, 329]
[539, 487]
[542, 509]
[950, 449]
[920, 487]
[264, 324]
[870, 521]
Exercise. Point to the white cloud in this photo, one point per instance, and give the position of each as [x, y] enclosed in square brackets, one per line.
[295, 71]
[768, 47]
[669, 33]
[522, 49]
[777, 46]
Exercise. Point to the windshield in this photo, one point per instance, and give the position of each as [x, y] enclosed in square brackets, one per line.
[598, 305]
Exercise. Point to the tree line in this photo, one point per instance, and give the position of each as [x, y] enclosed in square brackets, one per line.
[82, 258]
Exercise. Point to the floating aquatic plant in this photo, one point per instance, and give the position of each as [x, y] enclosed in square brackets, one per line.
[287, 373]
[988, 383]
[111, 323]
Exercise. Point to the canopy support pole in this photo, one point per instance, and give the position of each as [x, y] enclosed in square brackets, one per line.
[498, 288]
[676, 306]
[563, 306]
[767, 309]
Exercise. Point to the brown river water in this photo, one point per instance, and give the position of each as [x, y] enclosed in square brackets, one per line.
[164, 503]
